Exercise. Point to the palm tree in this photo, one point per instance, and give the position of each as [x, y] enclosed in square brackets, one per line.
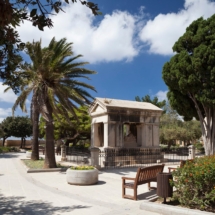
[53, 78]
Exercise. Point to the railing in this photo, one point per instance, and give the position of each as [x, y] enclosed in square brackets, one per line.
[130, 157]
[77, 156]
[137, 157]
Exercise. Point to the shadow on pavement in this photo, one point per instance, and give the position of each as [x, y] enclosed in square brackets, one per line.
[18, 205]
[119, 171]
[10, 155]
[147, 195]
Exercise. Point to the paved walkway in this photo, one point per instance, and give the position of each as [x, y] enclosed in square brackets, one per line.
[49, 194]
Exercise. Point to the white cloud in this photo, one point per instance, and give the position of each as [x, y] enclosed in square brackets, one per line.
[164, 30]
[4, 113]
[8, 96]
[162, 95]
[110, 40]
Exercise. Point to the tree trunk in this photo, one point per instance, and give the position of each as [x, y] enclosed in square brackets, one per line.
[21, 145]
[208, 131]
[3, 142]
[50, 161]
[35, 124]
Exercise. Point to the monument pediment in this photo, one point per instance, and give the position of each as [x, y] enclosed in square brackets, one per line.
[97, 108]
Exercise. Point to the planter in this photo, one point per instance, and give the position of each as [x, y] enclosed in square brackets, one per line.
[28, 154]
[82, 177]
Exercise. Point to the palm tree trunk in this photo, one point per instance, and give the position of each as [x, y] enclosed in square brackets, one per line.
[50, 161]
[35, 124]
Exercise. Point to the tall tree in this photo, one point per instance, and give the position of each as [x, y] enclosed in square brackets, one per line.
[54, 78]
[19, 126]
[6, 125]
[154, 101]
[190, 77]
[13, 13]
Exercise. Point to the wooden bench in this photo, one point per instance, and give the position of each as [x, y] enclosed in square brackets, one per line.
[144, 175]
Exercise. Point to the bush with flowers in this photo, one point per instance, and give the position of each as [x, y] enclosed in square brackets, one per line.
[195, 183]
[82, 167]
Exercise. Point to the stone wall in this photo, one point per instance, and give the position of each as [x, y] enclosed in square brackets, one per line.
[17, 143]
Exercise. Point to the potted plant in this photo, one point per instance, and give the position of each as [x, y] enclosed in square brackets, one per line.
[28, 153]
[82, 175]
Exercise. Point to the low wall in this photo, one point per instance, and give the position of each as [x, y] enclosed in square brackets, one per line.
[17, 143]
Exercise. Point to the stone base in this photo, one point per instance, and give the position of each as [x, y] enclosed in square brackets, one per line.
[82, 177]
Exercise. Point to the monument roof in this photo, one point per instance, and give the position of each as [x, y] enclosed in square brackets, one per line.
[108, 102]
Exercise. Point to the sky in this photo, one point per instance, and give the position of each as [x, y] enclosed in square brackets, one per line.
[127, 45]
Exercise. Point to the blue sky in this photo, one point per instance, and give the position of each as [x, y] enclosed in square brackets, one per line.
[127, 46]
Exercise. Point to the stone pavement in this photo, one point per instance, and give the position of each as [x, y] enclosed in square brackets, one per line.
[48, 193]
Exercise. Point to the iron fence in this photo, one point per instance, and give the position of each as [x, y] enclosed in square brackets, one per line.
[78, 156]
[130, 157]
[133, 157]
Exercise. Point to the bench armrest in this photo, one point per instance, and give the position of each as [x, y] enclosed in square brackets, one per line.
[126, 178]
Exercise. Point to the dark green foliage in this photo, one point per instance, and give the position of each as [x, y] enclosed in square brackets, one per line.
[190, 76]
[19, 126]
[195, 183]
[154, 101]
[12, 14]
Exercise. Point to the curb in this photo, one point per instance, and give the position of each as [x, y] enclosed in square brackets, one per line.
[170, 210]
[46, 170]
[42, 170]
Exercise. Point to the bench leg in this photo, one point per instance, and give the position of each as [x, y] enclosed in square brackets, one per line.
[135, 194]
[149, 187]
[123, 189]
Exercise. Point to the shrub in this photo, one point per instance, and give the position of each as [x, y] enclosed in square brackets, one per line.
[195, 183]
[199, 146]
[4, 149]
[82, 167]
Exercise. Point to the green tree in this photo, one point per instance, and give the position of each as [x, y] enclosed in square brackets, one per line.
[172, 128]
[190, 76]
[73, 129]
[154, 101]
[6, 128]
[1, 131]
[54, 78]
[13, 13]
[19, 126]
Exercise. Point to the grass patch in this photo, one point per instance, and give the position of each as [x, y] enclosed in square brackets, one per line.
[38, 164]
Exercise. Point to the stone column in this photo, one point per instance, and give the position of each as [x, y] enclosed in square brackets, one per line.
[191, 152]
[112, 134]
[105, 134]
[155, 134]
[95, 157]
[149, 135]
[92, 134]
[63, 153]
